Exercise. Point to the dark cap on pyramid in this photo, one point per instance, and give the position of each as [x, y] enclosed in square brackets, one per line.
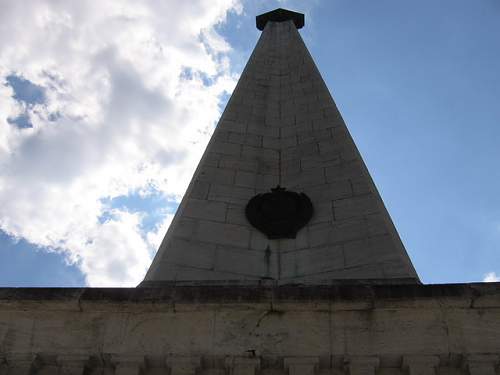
[280, 15]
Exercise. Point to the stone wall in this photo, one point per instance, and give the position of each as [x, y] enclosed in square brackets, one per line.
[188, 329]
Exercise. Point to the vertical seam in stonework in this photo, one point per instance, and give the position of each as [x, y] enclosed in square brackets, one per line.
[273, 64]
[278, 247]
[79, 300]
[214, 327]
[279, 105]
[278, 262]
[330, 332]
[445, 323]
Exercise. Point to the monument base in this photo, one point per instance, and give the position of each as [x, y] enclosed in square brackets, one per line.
[238, 329]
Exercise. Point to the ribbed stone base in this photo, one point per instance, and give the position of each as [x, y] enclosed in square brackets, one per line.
[265, 330]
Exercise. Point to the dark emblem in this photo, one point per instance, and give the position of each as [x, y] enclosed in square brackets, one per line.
[279, 214]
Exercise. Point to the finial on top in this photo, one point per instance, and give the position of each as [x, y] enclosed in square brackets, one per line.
[280, 15]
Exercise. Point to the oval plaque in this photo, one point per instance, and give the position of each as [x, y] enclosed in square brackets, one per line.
[280, 213]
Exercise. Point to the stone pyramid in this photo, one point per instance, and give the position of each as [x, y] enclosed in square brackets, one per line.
[282, 128]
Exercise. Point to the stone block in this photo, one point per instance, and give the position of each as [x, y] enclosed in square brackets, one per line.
[183, 365]
[128, 364]
[245, 262]
[344, 171]
[259, 129]
[259, 241]
[306, 116]
[481, 364]
[236, 215]
[331, 112]
[301, 365]
[199, 189]
[378, 249]
[300, 151]
[323, 212]
[311, 261]
[268, 167]
[361, 185]
[356, 274]
[420, 364]
[72, 364]
[260, 153]
[329, 148]
[319, 161]
[302, 240]
[223, 234]
[231, 126]
[341, 135]
[336, 232]
[239, 164]
[329, 192]
[290, 167]
[242, 365]
[187, 273]
[203, 209]
[363, 365]
[216, 175]
[255, 180]
[348, 153]
[355, 207]
[286, 244]
[230, 194]
[377, 225]
[398, 267]
[279, 143]
[319, 234]
[19, 363]
[231, 114]
[226, 148]
[325, 123]
[190, 253]
[311, 177]
[273, 120]
[313, 136]
[292, 131]
[184, 228]
[220, 135]
[245, 139]
[211, 159]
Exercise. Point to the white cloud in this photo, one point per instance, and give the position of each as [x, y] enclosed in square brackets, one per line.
[491, 277]
[127, 118]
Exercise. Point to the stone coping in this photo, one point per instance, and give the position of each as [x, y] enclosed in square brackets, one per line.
[234, 293]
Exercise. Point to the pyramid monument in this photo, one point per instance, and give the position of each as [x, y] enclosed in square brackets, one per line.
[282, 128]
[281, 260]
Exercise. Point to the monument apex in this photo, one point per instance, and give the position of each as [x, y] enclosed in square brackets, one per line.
[279, 15]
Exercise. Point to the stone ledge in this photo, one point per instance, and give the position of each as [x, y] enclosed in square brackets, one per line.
[478, 294]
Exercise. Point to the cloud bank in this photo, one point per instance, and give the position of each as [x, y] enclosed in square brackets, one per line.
[491, 277]
[119, 98]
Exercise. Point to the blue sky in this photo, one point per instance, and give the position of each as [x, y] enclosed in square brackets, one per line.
[417, 84]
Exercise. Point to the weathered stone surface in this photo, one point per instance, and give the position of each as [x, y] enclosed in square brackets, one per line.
[421, 364]
[184, 365]
[301, 365]
[188, 329]
[72, 364]
[242, 365]
[483, 364]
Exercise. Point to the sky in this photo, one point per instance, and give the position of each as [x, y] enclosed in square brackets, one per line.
[106, 108]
